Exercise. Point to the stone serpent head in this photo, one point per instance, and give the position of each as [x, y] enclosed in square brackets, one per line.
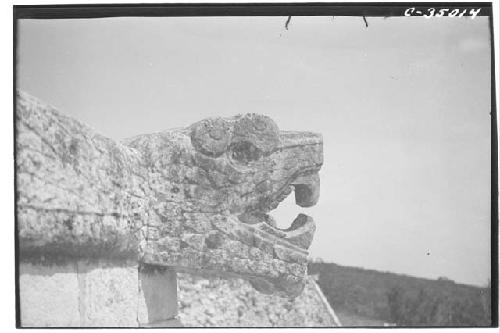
[196, 198]
[215, 182]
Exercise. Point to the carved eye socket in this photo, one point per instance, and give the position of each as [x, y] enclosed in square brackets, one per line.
[211, 136]
[244, 152]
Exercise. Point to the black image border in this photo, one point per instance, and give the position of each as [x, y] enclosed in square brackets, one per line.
[359, 9]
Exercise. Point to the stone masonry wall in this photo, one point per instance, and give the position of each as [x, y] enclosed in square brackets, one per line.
[96, 294]
[234, 303]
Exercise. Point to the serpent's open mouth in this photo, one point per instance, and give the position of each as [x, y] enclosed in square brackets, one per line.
[301, 231]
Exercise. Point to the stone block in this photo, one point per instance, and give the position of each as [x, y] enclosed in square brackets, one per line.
[48, 295]
[157, 296]
[108, 294]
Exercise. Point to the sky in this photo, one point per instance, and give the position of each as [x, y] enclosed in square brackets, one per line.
[403, 107]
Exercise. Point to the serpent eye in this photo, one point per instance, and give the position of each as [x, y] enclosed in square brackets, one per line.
[244, 152]
[211, 136]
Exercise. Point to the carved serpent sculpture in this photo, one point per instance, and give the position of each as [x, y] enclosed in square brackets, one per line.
[194, 198]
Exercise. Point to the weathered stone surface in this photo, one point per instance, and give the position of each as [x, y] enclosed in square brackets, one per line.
[107, 295]
[233, 303]
[195, 198]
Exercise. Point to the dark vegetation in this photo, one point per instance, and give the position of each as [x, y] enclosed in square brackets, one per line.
[403, 300]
